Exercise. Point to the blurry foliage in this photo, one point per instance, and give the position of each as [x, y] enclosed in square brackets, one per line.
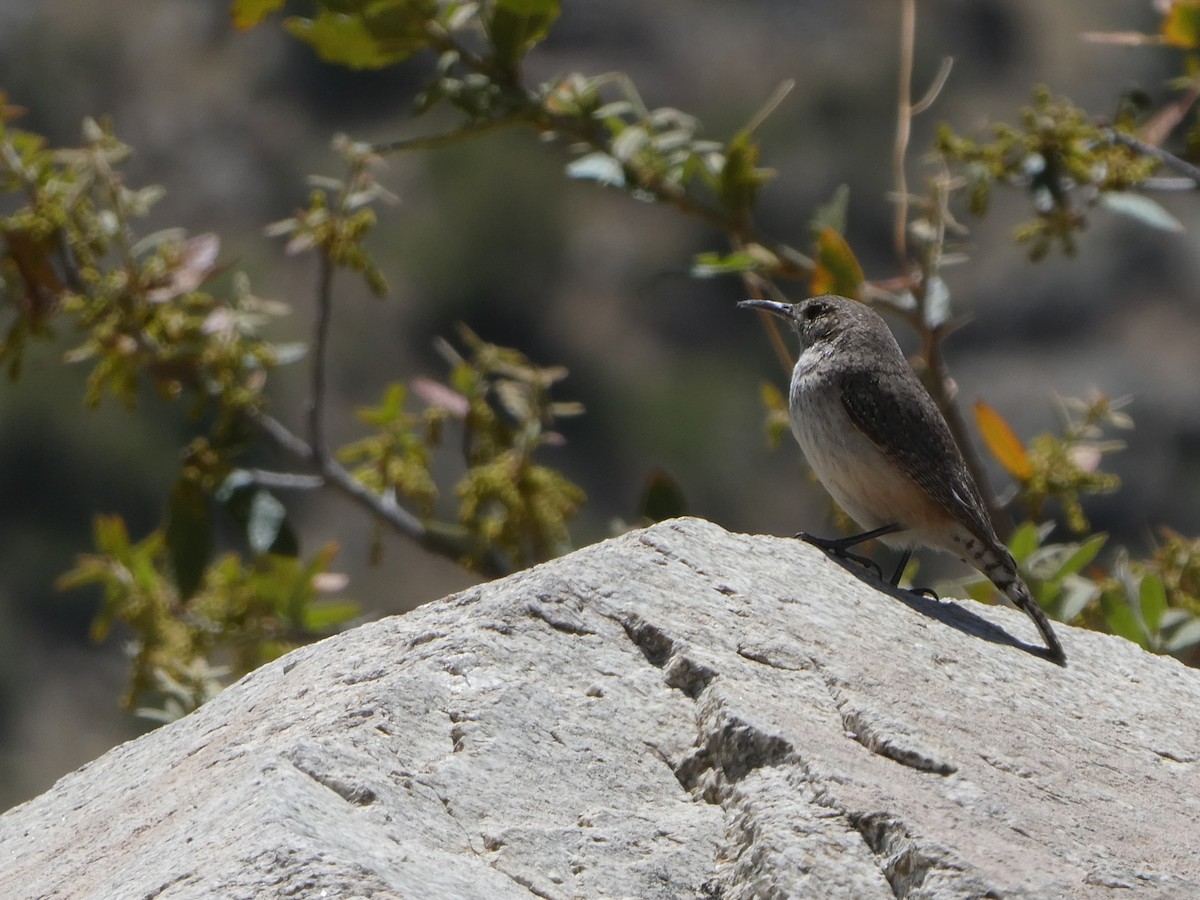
[1154, 602]
[1060, 467]
[142, 310]
[72, 254]
[240, 616]
[1070, 163]
[519, 508]
[1063, 159]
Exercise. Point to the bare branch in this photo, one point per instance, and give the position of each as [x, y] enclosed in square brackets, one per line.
[904, 112]
[316, 400]
[453, 542]
[939, 82]
[285, 481]
[436, 141]
[1182, 166]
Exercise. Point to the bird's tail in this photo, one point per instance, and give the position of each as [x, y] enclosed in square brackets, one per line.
[1018, 593]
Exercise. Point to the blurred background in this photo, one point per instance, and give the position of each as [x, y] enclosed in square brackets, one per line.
[493, 234]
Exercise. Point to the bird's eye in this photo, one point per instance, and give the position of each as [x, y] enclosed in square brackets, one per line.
[814, 311]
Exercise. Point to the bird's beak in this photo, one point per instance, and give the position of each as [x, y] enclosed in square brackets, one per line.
[783, 310]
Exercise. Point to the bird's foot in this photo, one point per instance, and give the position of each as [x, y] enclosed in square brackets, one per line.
[840, 547]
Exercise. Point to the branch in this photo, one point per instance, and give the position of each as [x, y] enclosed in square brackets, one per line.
[436, 141]
[938, 376]
[450, 541]
[905, 110]
[908, 28]
[285, 481]
[531, 112]
[1182, 166]
[316, 400]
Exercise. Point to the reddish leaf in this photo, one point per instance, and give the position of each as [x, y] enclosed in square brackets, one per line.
[1003, 442]
[197, 262]
[837, 270]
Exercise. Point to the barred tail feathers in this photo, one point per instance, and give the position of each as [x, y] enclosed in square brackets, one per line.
[1018, 593]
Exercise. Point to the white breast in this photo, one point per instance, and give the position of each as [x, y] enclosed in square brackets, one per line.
[869, 486]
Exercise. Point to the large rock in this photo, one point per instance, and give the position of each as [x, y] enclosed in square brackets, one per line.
[679, 712]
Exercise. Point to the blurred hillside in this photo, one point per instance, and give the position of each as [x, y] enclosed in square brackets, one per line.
[494, 235]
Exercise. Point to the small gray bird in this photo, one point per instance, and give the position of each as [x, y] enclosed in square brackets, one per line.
[879, 444]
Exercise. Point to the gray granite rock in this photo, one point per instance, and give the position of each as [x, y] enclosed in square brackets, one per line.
[679, 712]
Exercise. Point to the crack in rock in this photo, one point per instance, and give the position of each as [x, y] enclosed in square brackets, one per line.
[916, 868]
[355, 794]
[728, 748]
[654, 643]
[891, 739]
[681, 669]
[689, 675]
[884, 735]
[555, 612]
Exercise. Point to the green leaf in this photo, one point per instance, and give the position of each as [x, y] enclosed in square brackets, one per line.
[626, 145]
[248, 13]
[1024, 542]
[1140, 207]
[1184, 637]
[515, 26]
[1077, 593]
[662, 498]
[382, 34]
[189, 535]
[1181, 25]
[599, 167]
[937, 302]
[261, 517]
[832, 214]
[1153, 601]
[1121, 621]
[1173, 618]
[340, 39]
[325, 616]
[741, 177]
[267, 529]
[707, 265]
[1082, 556]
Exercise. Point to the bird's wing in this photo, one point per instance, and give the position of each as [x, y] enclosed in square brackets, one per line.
[921, 445]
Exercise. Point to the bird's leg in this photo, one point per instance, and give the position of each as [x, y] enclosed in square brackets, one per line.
[895, 580]
[840, 547]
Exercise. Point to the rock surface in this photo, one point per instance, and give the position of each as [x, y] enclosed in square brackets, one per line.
[679, 712]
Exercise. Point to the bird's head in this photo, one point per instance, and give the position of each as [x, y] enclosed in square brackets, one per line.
[817, 318]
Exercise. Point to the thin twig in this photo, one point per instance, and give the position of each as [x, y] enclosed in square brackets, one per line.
[316, 400]
[453, 542]
[939, 82]
[1168, 184]
[1182, 166]
[436, 141]
[938, 376]
[904, 112]
[285, 481]
[560, 128]
[760, 288]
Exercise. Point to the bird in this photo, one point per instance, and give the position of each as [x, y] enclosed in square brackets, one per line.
[881, 447]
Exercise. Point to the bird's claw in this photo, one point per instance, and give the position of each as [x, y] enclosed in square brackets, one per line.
[837, 547]
[925, 592]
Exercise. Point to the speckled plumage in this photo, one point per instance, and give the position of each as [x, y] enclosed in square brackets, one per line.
[879, 444]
